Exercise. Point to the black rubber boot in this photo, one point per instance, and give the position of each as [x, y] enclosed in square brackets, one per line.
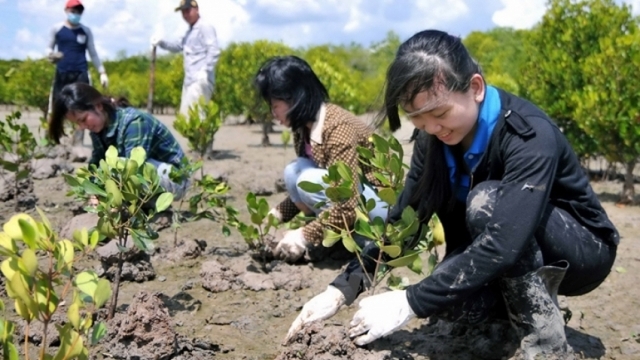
[533, 310]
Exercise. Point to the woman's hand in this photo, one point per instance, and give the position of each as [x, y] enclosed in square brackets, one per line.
[321, 307]
[380, 315]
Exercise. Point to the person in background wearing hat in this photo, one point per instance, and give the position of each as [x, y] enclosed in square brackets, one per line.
[73, 40]
[201, 52]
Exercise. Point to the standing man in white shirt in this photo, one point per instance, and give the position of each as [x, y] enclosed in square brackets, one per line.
[200, 50]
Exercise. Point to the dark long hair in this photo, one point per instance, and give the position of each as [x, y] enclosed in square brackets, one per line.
[79, 97]
[428, 61]
[291, 79]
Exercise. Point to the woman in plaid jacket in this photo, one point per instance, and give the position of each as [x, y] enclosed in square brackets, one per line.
[323, 134]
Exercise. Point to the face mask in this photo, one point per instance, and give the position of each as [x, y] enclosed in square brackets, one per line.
[74, 19]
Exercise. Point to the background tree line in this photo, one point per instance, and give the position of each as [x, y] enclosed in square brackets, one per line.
[580, 64]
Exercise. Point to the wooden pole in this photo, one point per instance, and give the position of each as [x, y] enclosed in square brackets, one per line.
[152, 80]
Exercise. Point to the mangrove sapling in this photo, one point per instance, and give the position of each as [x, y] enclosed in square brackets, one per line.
[128, 195]
[40, 271]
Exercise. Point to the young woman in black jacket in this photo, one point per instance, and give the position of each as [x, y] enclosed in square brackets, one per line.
[521, 221]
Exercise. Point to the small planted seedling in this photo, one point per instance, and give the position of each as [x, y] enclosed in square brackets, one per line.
[129, 194]
[207, 199]
[40, 272]
[257, 233]
[17, 150]
[200, 127]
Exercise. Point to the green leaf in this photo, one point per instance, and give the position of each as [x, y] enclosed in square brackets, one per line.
[66, 253]
[112, 188]
[99, 331]
[226, 231]
[93, 189]
[9, 267]
[73, 314]
[111, 156]
[30, 261]
[339, 194]
[164, 201]
[365, 153]
[87, 282]
[364, 228]
[310, 187]
[8, 243]
[71, 343]
[12, 227]
[28, 233]
[71, 180]
[256, 219]
[10, 351]
[433, 261]
[344, 171]
[349, 243]
[94, 239]
[23, 174]
[403, 261]
[416, 266]
[9, 166]
[408, 215]
[138, 155]
[387, 195]
[393, 250]
[381, 144]
[102, 293]
[19, 286]
[330, 238]
[383, 179]
[43, 217]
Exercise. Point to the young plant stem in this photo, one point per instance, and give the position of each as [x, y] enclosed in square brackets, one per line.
[176, 218]
[114, 299]
[47, 318]
[26, 342]
[15, 194]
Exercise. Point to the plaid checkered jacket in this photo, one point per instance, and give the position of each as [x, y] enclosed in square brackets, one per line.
[335, 136]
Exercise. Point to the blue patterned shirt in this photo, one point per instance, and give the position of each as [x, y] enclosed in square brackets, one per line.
[131, 128]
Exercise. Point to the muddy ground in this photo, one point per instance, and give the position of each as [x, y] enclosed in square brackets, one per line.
[217, 302]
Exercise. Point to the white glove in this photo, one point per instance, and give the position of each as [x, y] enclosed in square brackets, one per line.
[155, 40]
[380, 315]
[104, 80]
[292, 246]
[54, 57]
[321, 307]
[276, 214]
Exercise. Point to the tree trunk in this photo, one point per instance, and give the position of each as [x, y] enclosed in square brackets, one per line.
[116, 284]
[265, 132]
[628, 191]
[152, 80]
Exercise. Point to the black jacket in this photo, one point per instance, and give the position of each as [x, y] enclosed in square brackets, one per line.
[535, 165]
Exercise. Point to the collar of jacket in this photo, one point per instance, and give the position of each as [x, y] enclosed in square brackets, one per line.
[318, 125]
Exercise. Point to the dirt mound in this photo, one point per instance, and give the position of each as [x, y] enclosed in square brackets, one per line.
[244, 273]
[136, 267]
[146, 331]
[326, 342]
[23, 191]
[186, 250]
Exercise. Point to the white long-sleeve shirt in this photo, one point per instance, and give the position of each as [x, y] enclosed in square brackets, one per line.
[200, 50]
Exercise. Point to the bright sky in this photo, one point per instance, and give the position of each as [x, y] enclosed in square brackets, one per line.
[127, 25]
